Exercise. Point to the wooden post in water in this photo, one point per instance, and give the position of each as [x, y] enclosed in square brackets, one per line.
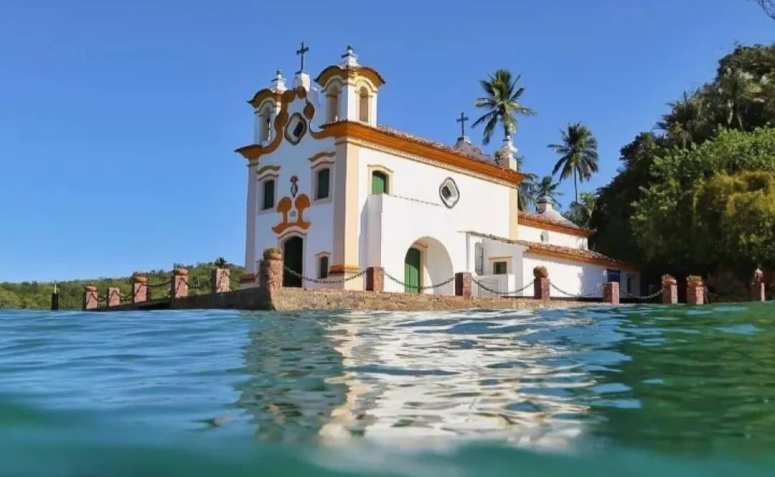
[55, 299]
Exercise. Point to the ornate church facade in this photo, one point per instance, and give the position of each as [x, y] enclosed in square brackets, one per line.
[337, 192]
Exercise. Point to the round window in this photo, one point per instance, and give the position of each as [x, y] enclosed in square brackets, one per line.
[295, 129]
[449, 193]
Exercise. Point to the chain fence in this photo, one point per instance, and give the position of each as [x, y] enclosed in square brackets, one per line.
[323, 281]
[501, 293]
[576, 295]
[641, 298]
[418, 287]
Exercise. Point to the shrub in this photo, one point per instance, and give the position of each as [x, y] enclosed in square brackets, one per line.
[540, 272]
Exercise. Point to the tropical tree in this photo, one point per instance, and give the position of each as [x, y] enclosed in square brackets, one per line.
[527, 192]
[502, 104]
[580, 213]
[548, 188]
[768, 6]
[578, 155]
[220, 262]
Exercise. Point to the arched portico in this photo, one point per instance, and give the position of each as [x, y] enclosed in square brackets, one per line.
[427, 263]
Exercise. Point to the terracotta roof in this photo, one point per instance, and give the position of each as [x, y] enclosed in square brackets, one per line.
[557, 251]
[558, 224]
[427, 142]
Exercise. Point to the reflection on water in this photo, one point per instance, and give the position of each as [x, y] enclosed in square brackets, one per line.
[674, 379]
[678, 380]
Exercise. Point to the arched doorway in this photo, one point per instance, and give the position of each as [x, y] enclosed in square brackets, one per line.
[293, 259]
[413, 270]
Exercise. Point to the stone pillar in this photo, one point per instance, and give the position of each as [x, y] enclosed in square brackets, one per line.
[541, 289]
[220, 280]
[90, 300]
[611, 293]
[375, 279]
[271, 277]
[179, 283]
[139, 289]
[669, 291]
[114, 296]
[695, 293]
[463, 285]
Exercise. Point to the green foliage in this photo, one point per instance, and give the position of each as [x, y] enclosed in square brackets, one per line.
[548, 188]
[578, 155]
[527, 192]
[649, 213]
[676, 215]
[580, 212]
[34, 295]
[502, 103]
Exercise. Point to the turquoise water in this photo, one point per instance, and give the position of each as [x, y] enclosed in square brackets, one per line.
[596, 391]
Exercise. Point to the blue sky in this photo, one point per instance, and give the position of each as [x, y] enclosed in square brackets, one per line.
[118, 120]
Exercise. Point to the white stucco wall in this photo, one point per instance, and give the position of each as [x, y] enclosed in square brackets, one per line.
[413, 211]
[533, 234]
[400, 224]
[294, 161]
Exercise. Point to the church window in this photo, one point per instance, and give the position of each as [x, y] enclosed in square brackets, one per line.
[264, 126]
[323, 184]
[268, 194]
[380, 183]
[296, 129]
[545, 236]
[499, 268]
[323, 266]
[332, 104]
[449, 193]
[363, 105]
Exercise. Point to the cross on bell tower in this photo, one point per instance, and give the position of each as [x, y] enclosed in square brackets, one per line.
[301, 52]
[462, 120]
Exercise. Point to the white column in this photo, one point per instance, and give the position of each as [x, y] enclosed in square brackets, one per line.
[251, 212]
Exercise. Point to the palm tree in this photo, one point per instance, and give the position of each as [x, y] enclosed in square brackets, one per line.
[684, 121]
[502, 104]
[548, 188]
[580, 213]
[736, 89]
[527, 192]
[220, 262]
[578, 155]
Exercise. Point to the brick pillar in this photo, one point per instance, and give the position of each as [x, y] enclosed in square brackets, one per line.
[463, 285]
[271, 275]
[139, 289]
[695, 294]
[757, 292]
[541, 289]
[669, 292]
[611, 293]
[220, 280]
[114, 296]
[375, 279]
[90, 300]
[179, 283]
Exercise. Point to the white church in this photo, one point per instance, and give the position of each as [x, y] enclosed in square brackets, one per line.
[337, 192]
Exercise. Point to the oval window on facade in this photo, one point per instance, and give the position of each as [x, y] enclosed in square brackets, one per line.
[449, 193]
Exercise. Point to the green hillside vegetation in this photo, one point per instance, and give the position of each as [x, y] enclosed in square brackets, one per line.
[37, 295]
[694, 195]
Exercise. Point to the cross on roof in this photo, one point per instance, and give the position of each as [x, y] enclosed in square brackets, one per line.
[301, 52]
[462, 120]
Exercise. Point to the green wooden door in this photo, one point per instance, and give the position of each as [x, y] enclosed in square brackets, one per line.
[293, 258]
[412, 271]
[379, 183]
